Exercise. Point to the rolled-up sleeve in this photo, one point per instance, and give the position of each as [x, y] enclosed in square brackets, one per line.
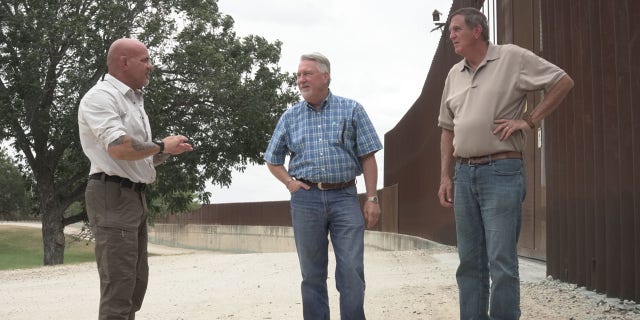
[102, 117]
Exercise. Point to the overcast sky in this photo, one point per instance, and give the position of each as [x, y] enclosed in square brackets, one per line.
[380, 54]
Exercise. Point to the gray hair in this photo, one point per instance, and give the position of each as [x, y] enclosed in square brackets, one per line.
[472, 18]
[323, 62]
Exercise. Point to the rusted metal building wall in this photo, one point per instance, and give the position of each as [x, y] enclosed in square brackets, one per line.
[412, 154]
[416, 168]
[518, 22]
[583, 165]
[593, 145]
[275, 213]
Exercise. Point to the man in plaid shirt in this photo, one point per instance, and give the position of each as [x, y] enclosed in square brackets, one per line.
[330, 140]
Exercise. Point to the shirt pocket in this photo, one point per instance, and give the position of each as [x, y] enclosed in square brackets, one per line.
[343, 133]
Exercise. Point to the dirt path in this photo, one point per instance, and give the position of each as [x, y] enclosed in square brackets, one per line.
[194, 285]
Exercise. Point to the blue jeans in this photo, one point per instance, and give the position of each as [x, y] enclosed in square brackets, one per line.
[316, 214]
[488, 205]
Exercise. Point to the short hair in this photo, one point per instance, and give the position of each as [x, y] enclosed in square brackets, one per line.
[472, 18]
[323, 63]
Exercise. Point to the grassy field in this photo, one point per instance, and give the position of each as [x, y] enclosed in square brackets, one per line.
[21, 247]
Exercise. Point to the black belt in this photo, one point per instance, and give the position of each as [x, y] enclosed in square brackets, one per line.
[330, 186]
[124, 182]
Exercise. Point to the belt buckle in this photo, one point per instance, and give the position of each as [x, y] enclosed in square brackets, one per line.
[320, 186]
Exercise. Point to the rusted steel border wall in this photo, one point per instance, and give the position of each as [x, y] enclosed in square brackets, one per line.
[412, 153]
[593, 145]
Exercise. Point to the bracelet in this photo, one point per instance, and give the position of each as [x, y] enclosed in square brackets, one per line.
[289, 181]
[527, 119]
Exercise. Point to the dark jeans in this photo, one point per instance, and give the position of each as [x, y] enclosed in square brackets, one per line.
[118, 219]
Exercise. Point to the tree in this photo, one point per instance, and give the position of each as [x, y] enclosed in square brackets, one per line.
[14, 196]
[222, 91]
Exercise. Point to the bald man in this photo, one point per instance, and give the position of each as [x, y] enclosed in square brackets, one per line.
[116, 137]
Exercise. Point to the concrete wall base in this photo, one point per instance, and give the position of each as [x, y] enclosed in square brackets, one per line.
[240, 238]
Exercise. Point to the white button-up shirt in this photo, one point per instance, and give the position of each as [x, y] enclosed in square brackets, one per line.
[108, 111]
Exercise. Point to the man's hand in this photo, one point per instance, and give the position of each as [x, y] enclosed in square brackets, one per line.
[445, 194]
[176, 145]
[371, 213]
[295, 185]
[505, 128]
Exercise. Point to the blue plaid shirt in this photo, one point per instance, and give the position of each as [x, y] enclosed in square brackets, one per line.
[325, 145]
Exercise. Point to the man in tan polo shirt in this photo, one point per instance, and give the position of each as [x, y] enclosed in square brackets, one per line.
[484, 127]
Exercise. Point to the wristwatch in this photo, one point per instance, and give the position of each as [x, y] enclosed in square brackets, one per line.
[160, 144]
[373, 199]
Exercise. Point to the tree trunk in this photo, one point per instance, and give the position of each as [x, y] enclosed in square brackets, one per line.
[53, 239]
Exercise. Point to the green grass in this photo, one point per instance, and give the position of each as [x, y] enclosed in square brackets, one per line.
[21, 247]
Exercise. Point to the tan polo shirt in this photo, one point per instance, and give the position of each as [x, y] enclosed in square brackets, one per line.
[471, 101]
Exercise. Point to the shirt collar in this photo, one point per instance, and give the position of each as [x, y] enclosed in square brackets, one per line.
[120, 86]
[324, 103]
[493, 53]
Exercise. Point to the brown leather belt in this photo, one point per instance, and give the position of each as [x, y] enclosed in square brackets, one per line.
[492, 157]
[124, 182]
[329, 186]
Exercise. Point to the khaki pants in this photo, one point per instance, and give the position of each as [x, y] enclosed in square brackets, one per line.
[118, 219]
